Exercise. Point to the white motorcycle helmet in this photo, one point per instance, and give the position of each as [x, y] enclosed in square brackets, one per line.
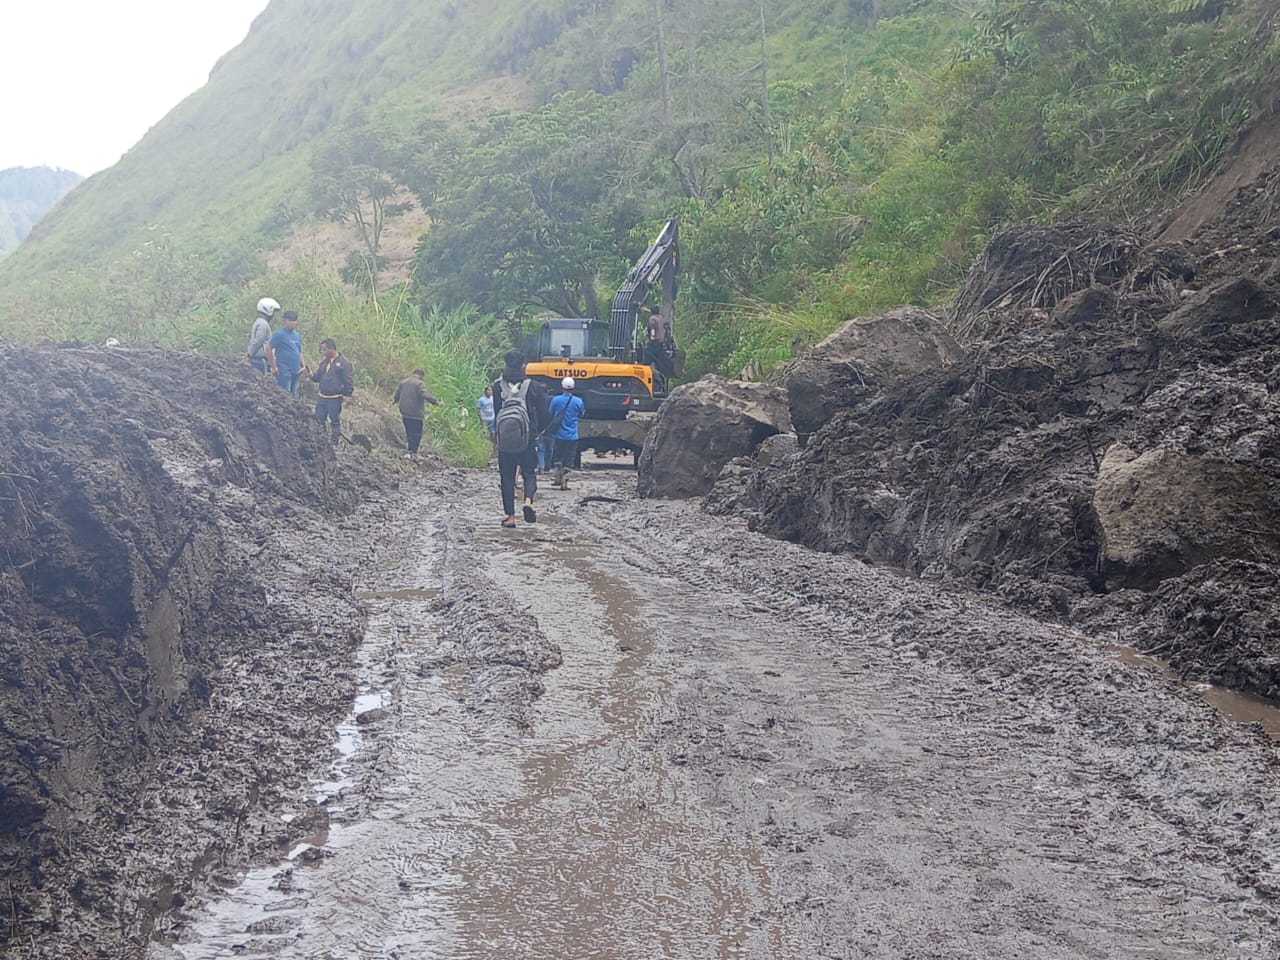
[267, 307]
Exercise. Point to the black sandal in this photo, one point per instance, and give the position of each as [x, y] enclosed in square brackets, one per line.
[530, 514]
[509, 522]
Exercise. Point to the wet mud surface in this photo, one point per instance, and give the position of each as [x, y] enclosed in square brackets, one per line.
[636, 730]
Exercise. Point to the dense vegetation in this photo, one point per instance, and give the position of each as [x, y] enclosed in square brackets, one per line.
[827, 158]
[26, 195]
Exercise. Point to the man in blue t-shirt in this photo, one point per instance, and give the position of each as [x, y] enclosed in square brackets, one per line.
[485, 406]
[565, 409]
[284, 351]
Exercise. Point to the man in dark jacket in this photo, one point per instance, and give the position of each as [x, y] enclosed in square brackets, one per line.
[513, 387]
[336, 385]
[413, 396]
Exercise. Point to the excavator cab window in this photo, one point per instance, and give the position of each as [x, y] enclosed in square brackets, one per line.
[564, 337]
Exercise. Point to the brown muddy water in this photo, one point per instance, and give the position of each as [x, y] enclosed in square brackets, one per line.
[1235, 706]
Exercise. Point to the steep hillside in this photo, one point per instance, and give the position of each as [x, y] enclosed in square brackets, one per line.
[26, 195]
[827, 158]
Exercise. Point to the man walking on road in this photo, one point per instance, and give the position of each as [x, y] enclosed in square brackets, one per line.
[565, 409]
[485, 406]
[284, 351]
[412, 395]
[520, 415]
[336, 385]
[255, 353]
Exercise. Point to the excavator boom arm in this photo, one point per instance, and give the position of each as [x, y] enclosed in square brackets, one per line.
[656, 268]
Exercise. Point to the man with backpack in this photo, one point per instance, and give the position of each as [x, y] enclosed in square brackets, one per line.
[565, 411]
[521, 413]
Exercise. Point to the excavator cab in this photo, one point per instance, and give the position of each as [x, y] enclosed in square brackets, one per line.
[573, 337]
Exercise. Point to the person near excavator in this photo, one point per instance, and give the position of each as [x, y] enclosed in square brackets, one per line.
[526, 416]
[657, 347]
[336, 385]
[413, 396]
[255, 354]
[565, 411]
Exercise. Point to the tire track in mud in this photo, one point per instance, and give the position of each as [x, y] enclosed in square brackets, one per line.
[633, 730]
[941, 778]
[510, 803]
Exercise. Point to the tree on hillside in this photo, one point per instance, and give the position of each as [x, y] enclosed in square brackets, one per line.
[529, 221]
[356, 183]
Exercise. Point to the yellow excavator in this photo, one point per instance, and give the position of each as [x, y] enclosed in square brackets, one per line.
[621, 366]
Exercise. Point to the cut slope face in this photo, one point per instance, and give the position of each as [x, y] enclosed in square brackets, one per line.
[155, 510]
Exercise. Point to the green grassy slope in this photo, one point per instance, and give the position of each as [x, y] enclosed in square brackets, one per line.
[893, 137]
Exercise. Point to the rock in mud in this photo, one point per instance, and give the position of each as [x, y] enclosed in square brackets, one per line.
[1211, 311]
[858, 359]
[701, 427]
[1163, 512]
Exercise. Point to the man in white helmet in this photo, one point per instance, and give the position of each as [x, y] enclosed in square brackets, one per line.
[565, 411]
[256, 352]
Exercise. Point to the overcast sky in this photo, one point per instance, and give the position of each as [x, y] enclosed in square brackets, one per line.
[82, 80]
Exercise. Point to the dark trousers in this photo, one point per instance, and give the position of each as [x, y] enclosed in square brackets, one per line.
[259, 364]
[527, 461]
[566, 454]
[413, 432]
[330, 408]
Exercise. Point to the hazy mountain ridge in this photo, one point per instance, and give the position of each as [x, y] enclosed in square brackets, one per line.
[26, 195]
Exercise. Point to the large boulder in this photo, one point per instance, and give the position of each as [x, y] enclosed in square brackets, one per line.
[1236, 300]
[1163, 512]
[701, 427]
[858, 359]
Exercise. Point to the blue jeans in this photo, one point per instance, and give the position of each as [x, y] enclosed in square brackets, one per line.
[544, 451]
[330, 408]
[289, 381]
[259, 364]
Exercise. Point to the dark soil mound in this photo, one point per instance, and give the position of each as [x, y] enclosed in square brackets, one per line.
[149, 500]
[1081, 341]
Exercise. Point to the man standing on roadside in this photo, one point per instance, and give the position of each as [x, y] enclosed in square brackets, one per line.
[413, 396]
[336, 385]
[284, 351]
[255, 353]
[565, 411]
[517, 433]
[485, 406]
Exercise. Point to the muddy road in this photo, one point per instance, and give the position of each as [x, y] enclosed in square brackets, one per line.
[633, 730]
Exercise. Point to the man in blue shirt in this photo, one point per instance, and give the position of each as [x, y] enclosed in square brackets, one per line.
[565, 410]
[284, 351]
[485, 406]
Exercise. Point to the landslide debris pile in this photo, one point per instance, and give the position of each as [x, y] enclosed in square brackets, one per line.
[1105, 451]
[157, 670]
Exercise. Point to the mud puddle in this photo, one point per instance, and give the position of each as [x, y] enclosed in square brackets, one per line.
[450, 835]
[1239, 707]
